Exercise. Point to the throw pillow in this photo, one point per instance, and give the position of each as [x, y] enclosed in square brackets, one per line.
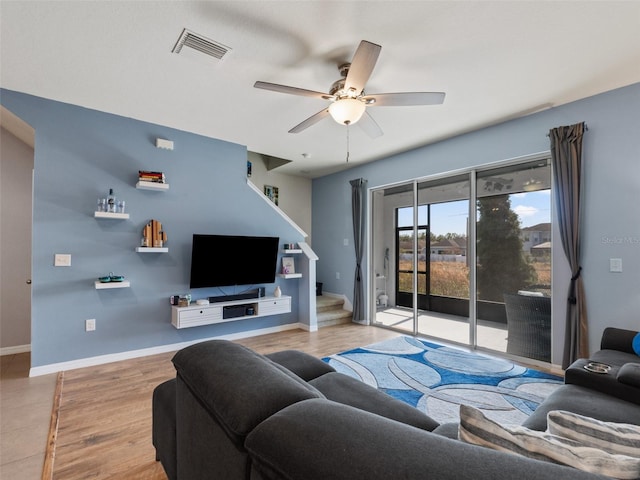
[616, 438]
[477, 429]
[635, 343]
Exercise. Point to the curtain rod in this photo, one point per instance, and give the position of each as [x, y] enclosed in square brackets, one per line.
[586, 128]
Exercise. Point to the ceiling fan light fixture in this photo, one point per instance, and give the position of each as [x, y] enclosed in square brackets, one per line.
[347, 111]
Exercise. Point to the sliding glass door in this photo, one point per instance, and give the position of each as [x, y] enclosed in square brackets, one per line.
[513, 261]
[447, 255]
[419, 257]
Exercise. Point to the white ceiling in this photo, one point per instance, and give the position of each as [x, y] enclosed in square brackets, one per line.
[496, 60]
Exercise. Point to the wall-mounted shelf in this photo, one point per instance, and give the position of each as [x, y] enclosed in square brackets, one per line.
[290, 275]
[152, 249]
[142, 185]
[111, 215]
[100, 286]
[292, 251]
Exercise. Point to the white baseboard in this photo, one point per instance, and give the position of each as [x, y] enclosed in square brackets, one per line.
[307, 328]
[144, 352]
[15, 349]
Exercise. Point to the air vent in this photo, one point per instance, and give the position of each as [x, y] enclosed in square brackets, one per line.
[200, 44]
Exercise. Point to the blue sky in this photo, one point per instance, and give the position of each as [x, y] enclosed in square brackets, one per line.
[451, 217]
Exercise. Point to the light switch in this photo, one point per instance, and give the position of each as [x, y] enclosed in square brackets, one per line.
[615, 264]
[164, 144]
[346, 242]
[62, 260]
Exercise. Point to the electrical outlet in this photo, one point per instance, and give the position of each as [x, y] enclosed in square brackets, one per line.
[90, 325]
[337, 275]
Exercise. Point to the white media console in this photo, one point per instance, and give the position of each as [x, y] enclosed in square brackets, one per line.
[197, 315]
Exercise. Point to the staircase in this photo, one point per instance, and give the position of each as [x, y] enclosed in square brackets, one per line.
[330, 311]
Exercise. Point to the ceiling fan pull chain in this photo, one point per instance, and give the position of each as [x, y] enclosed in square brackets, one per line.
[347, 143]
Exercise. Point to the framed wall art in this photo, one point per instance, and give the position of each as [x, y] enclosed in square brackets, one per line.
[272, 193]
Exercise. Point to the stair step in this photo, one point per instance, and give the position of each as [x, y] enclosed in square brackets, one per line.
[334, 317]
[324, 304]
[330, 311]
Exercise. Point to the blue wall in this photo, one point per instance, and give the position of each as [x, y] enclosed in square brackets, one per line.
[79, 155]
[611, 225]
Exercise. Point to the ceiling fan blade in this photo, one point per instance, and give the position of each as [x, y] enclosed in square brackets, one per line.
[404, 99]
[362, 65]
[275, 87]
[369, 125]
[312, 120]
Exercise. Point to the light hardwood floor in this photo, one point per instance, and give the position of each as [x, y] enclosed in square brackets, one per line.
[105, 414]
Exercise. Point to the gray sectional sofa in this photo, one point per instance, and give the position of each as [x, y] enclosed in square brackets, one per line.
[232, 413]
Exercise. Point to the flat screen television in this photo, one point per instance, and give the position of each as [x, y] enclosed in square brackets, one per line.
[228, 260]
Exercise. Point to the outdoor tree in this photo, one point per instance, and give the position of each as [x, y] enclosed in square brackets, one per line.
[502, 266]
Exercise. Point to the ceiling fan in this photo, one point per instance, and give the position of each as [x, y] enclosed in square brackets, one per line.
[348, 98]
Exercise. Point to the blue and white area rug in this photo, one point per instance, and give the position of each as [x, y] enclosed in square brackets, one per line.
[436, 379]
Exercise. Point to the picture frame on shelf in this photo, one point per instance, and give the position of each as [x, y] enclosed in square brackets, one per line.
[288, 265]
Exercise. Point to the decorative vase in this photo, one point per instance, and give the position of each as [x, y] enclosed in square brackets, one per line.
[277, 292]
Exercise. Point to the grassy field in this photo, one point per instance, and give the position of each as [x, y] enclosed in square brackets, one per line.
[451, 279]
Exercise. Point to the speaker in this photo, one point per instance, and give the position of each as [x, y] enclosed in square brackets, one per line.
[234, 311]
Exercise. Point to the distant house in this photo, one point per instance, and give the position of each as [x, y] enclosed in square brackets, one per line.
[450, 246]
[541, 250]
[533, 239]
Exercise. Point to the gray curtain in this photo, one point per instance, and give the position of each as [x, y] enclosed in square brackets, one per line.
[357, 209]
[566, 157]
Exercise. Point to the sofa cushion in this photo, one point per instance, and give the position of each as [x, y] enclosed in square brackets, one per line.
[587, 402]
[615, 438]
[477, 429]
[347, 390]
[615, 358]
[607, 383]
[238, 386]
[320, 439]
[629, 374]
[614, 338]
[302, 364]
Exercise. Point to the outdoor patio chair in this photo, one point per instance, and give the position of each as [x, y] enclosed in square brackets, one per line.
[529, 326]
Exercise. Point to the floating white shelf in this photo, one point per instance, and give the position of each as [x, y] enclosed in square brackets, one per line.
[290, 275]
[142, 185]
[113, 216]
[100, 285]
[292, 251]
[152, 249]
